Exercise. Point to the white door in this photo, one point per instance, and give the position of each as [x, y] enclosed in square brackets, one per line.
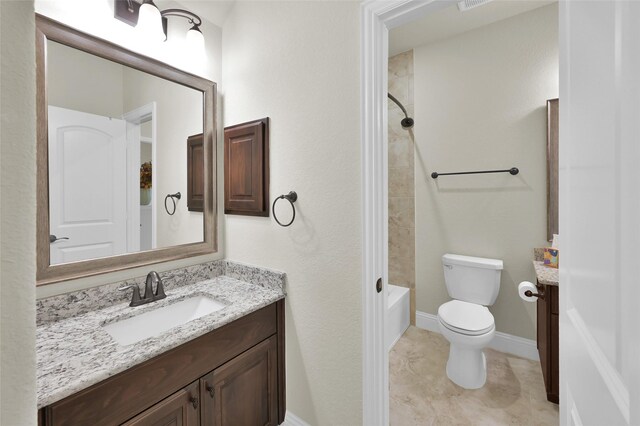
[599, 213]
[87, 185]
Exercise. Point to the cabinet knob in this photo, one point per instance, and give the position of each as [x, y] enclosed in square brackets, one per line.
[209, 389]
[194, 401]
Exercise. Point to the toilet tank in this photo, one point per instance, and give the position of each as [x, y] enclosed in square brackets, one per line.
[472, 279]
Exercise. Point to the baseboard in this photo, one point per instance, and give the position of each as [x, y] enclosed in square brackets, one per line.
[396, 340]
[291, 419]
[427, 321]
[503, 342]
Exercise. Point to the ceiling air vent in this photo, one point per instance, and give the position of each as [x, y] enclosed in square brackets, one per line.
[465, 5]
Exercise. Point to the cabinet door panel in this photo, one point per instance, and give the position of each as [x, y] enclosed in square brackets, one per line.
[207, 391]
[245, 389]
[543, 336]
[180, 409]
[553, 393]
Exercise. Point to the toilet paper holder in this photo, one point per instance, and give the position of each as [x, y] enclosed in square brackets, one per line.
[539, 295]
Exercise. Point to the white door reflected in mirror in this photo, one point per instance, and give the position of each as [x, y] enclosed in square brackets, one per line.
[87, 185]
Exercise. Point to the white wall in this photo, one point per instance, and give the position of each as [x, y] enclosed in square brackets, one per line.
[480, 103]
[298, 63]
[178, 116]
[96, 18]
[17, 214]
[83, 82]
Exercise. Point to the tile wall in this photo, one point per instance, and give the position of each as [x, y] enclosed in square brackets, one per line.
[401, 179]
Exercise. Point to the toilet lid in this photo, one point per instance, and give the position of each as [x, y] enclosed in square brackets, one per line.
[465, 317]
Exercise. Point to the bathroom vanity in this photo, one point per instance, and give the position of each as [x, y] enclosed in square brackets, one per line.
[209, 353]
[548, 328]
[224, 368]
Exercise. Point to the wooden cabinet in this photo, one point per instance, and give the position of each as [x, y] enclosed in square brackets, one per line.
[195, 173]
[180, 409]
[548, 340]
[231, 376]
[243, 391]
[246, 168]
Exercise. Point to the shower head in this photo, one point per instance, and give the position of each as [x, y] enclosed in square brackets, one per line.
[407, 122]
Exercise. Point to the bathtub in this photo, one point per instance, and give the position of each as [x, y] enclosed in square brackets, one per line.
[397, 320]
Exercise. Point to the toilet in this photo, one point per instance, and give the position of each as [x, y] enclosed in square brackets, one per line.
[465, 321]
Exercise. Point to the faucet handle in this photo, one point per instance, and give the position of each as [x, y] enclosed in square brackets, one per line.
[135, 298]
[148, 286]
[159, 289]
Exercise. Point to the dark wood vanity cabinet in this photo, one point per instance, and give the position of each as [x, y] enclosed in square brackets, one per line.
[243, 391]
[548, 339]
[231, 376]
[181, 408]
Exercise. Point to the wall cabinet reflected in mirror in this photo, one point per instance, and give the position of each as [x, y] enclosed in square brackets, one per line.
[112, 131]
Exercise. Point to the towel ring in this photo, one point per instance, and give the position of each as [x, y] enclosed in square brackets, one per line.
[173, 200]
[291, 197]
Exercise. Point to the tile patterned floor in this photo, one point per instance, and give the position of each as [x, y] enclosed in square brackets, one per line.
[421, 393]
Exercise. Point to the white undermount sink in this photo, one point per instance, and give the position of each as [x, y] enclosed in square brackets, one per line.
[157, 321]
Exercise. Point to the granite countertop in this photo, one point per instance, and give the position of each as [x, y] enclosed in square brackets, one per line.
[545, 274]
[76, 352]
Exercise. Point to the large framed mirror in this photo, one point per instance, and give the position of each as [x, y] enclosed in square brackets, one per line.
[113, 131]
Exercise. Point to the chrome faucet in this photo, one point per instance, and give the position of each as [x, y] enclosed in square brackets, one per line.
[149, 295]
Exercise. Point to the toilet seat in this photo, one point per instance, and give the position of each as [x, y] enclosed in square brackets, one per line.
[466, 318]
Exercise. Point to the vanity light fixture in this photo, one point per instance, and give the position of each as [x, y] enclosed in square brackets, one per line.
[146, 16]
[150, 22]
[195, 39]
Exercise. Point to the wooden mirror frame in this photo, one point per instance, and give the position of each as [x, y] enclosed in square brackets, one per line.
[47, 29]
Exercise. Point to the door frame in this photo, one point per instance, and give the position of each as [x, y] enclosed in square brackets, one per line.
[135, 118]
[377, 17]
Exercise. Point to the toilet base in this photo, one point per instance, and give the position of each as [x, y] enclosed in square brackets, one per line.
[467, 367]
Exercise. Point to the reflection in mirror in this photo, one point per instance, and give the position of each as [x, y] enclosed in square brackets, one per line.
[117, 146]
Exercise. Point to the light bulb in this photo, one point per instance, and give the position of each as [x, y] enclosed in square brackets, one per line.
[195, 40]
[150, 22]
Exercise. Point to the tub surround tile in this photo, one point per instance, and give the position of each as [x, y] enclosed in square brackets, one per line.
[401, 153]
[546, 275]
[399, 88]
[401, 65]
[401, 247]
[402, 212]
[401, 162]
[75, 352]
[395, 130]
[401, 271]
[401, 182]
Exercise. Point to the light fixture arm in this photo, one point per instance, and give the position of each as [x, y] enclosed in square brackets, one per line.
[191, 17]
